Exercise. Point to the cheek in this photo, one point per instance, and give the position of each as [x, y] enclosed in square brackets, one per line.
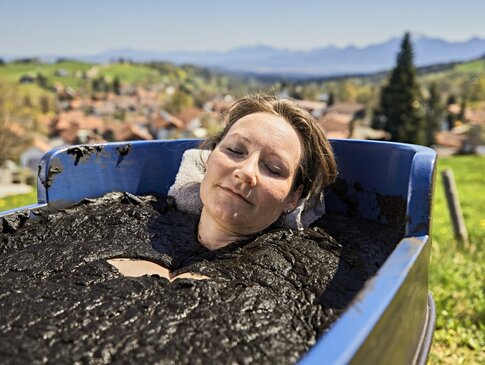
[215, 169]
[274, 191]
[212, 167]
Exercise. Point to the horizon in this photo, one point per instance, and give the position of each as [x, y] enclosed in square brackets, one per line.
[243, 46]
[53, 28]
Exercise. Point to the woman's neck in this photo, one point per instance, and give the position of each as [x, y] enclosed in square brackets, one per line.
[211, 235]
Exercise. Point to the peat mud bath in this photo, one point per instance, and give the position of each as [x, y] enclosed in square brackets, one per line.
[266, 300]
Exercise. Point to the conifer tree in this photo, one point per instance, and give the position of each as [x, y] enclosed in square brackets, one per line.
[116, 86]
[434, 114]
[400, 112]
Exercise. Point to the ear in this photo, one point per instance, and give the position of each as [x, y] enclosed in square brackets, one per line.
[293, 198]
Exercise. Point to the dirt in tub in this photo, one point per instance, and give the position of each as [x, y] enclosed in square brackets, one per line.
[266, 300]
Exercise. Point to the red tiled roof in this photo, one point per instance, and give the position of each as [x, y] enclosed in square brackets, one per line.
[164, 119]
[311, 104]
[187, 114]
[129, 132]
[448, 139]
[77, 117]
[345, 108]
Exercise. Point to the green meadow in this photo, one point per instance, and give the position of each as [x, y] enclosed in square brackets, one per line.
[456, 274]
[74, 74]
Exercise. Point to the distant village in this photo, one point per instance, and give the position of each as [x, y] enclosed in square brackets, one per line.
[138, 114]
[134, 113]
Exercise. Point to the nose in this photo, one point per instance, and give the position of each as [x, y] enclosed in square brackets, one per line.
[247, 171]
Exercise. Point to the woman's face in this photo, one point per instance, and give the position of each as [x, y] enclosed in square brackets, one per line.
[250, 173]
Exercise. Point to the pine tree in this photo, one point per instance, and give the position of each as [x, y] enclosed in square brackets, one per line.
[401, 112]
[434, 114]
[116, 86]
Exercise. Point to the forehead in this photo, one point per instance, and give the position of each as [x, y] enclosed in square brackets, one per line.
[268, 131]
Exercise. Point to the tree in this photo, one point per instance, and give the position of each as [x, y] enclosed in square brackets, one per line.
[41, 80]
[44, 104]
[99, 85]
[434, 114]
[451, 118]
[400, 112]
[179, 101]
[346, 91]
[116, 85]
[15, 123]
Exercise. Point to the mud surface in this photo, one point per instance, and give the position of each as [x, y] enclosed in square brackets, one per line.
[83, 152]
[267, 299]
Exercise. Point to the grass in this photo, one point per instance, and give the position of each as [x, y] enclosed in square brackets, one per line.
[17, 201]
[456, 275]
[131, 74]
[13, 72]
[473, 66]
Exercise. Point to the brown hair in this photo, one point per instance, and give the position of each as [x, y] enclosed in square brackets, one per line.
[317, 167]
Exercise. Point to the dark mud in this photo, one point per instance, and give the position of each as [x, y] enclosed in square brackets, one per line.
[267, 299]
[54, 169]
[122, 152]
[83, 152]
[341, 188]
[392, 209]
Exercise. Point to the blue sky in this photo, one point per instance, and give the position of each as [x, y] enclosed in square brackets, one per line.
[35, 27]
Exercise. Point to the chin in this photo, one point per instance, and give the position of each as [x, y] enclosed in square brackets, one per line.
[231, 215]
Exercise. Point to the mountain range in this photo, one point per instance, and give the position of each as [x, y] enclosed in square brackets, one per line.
[325, 61]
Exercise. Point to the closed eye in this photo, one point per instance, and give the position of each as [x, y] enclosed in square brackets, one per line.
[234, 151]
[273, 170]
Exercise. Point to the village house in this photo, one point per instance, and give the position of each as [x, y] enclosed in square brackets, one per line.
[316, 108]
[219, 105]
[131, 132]
[463, 132]
[338, 121]
[30, 158]
[165, 125]
[26, 79]
[192, 119]
[74, 127]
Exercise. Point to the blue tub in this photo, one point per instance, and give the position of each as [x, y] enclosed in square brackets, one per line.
[391, 321]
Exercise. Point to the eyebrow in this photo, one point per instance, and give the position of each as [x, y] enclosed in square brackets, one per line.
[237, 134]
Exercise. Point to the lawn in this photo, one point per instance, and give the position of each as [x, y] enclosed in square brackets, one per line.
[15, 201]
[456, 275]
[72, 69]
[130, 74]
[69, 73]
[476, 66]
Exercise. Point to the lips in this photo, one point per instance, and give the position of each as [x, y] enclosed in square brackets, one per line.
[235, 194]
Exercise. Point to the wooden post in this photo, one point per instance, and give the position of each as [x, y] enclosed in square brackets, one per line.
[459, 228]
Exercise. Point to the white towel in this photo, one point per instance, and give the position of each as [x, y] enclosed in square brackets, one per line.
[186, 193]
[186, 188]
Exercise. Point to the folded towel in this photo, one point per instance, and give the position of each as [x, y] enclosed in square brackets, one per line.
[186, 189]
[185, 193]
